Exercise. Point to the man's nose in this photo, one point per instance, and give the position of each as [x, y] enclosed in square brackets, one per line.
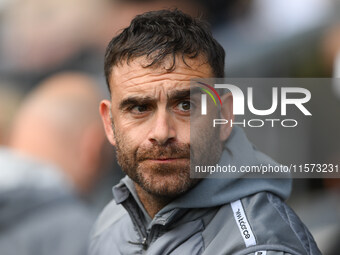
[163, 129]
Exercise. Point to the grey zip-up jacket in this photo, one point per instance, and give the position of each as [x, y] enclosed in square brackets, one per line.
[218, 216]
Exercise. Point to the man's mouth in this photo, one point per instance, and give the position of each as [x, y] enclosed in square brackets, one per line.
[165, 160]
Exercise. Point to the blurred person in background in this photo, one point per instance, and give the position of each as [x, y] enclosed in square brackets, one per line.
[10, 98]
[54, 156]
[59, 123]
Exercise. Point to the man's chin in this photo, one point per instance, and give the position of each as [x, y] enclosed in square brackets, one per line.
[164, 181]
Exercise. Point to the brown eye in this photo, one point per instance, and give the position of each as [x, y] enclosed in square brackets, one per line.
[139, 109]
[184, 106]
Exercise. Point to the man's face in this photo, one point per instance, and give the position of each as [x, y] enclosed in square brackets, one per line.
[151, 123]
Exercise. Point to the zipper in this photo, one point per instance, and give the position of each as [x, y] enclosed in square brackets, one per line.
[143, 243]
[130, 208]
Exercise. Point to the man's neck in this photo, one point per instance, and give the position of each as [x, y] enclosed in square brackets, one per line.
[152, 204]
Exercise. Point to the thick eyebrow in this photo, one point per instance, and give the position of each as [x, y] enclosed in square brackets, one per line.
[135, 100]
[182, 94]
[179, 94]
[143, 100]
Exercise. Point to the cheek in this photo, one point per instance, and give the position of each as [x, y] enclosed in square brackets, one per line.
[202, 127]
[129, 129]
[183, 132]
[129, 138]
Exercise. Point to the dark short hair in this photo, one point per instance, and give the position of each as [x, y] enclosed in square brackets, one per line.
[158, 34]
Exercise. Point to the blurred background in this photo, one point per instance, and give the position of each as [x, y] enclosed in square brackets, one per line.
[45, 46]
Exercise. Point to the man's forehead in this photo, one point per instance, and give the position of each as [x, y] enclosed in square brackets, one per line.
[135, 72]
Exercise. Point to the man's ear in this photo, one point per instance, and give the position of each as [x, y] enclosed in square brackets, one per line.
[226, 113]
[105, 113]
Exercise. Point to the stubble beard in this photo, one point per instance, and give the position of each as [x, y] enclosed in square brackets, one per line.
[160, 180]
[165, 180]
